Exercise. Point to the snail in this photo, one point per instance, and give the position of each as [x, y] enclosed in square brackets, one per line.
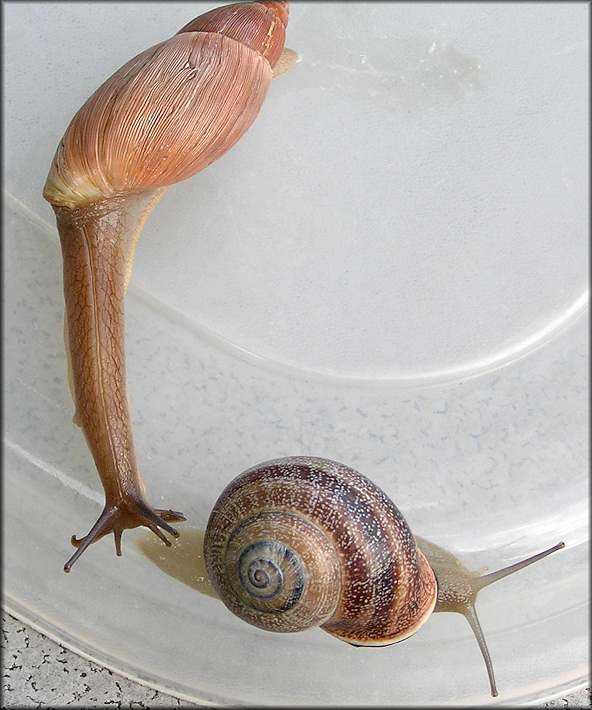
[300, 542]
[165, 115]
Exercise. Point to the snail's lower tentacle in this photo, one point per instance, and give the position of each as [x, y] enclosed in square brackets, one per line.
[98, 530]
[117, 518]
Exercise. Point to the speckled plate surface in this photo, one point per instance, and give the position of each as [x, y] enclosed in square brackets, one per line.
[391, 270]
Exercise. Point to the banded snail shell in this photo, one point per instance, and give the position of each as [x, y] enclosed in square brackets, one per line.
[300, 542]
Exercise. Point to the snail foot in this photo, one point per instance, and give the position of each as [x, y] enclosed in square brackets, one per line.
[123, 516]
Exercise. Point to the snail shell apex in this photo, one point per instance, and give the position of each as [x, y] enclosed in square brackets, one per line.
[258, 25]
[300, 542]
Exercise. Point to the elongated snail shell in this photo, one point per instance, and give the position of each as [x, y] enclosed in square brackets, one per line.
[300, 542]
[165, 115]
[173, 109]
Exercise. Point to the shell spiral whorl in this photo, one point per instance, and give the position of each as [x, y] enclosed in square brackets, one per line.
[301, 542]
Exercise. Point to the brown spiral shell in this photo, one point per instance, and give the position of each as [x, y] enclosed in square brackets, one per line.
[300, 542]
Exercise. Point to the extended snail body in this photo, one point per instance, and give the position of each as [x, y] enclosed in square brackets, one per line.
[164, 116]
[300, 542]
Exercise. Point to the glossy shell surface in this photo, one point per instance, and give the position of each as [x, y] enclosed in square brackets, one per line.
[302, 541]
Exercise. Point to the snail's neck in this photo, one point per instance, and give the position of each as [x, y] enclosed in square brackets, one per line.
[112, 226]
[98, 244]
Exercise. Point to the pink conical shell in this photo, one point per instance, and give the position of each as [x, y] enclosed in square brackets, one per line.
[172, 110]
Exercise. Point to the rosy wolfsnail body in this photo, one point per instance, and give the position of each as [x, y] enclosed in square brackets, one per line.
[164, 116]
[301, 542]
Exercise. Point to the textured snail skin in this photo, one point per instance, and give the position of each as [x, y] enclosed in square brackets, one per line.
[458, 588]
[164, 116]
[300, 542]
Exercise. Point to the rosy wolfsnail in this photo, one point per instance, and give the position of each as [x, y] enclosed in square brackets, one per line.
[300, 542]
[165, 115]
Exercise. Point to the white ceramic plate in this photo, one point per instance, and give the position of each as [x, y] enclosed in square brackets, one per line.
[390, 270]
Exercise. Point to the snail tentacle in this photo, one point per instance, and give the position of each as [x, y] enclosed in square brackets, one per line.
[458, 588]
